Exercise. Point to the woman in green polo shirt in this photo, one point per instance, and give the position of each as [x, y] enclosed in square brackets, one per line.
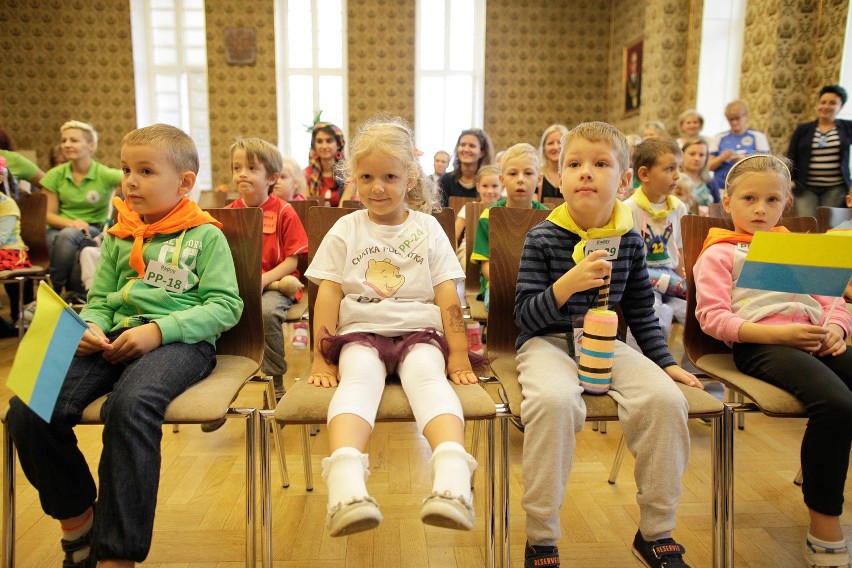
[78, 197]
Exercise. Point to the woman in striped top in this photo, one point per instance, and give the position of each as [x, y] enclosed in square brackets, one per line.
[819, 151]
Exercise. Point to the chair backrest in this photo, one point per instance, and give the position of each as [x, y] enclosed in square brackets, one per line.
[553, 202]
[212, 199]
[33, 208]
[244, 230]
[716, 211]
[696, 343]
[471, 220]
[456, 202]
[507, 230]
[301, 208]
[830, 217]
[352, 204]
[446, 216]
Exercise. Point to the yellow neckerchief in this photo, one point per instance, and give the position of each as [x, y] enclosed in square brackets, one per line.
[619, 223]
[641, 200]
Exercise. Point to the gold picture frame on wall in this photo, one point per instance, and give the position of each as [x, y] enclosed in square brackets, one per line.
[240, 46]
[632, 78]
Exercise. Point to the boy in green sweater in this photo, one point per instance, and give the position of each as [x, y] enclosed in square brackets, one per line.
[151, 340]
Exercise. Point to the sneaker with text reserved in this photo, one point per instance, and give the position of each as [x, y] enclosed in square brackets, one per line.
[541, 556]
[663, 553]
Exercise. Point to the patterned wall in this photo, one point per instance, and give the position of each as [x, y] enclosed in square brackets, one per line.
[795, 46]
[671, 34]
[539, 68]
[241, 97]
[64, 60]
[381, 58]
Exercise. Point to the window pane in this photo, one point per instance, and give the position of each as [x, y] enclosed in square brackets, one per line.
[299, 22]
[168, 116]
[194, 37]
[458, 104]
[193, 5]
[329, 34]
[166, 83]
[430, 132]
[431, 40]
[164, 37]
[162, 18]
[165, 56]
[195, 56]
[461, 35]
[301, 113]
[331, 98]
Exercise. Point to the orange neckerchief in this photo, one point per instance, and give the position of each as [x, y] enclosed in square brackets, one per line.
[719, 235]
[186, 215]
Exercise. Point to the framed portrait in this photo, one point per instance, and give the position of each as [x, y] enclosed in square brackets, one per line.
[633, 77]
[240, 46]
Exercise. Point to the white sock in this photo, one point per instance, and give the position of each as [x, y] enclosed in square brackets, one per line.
[345, 473]
[452, 467]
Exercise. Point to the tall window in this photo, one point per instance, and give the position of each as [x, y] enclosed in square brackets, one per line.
[311, 70]
[170, 65]
[450, 72]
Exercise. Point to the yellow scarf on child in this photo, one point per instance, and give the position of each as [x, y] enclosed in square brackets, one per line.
[186, 215]
[620, 222]
[641, 200]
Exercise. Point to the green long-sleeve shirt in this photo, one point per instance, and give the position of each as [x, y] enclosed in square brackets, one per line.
[208, 305]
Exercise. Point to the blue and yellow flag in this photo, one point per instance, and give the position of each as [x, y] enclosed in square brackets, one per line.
[45, 352]
[798, 263]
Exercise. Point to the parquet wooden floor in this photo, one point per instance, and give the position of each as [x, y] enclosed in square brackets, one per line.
[201, 501]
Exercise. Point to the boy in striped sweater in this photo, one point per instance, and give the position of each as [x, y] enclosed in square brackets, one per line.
[562, 268]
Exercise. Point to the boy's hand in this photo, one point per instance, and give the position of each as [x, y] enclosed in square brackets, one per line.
[833, 344]
[134, 343]
[459, 371]
[323, 374]
[681, 375]
[93, 342]
[799, 335]
[587, 274]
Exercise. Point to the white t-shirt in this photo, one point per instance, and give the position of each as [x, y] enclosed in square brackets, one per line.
[662, 238]
[388, 273]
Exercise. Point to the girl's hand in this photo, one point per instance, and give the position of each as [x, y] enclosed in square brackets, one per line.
[459, 371]
[681, 375]
[323, 374]
[801, 336]
[134, 343]
[92, 342]
[833, 344]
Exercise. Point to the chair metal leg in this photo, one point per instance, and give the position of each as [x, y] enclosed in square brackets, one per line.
[306, 454]
[251, 417]
[490, 543]
[279, 443]
[9, 460]
[505, 561]
[595, 426]
[741, 415]
[474, 445]
[21, 282]
[723, 489]
[603, 427]
[798, 479]
[616, 463]
[175, 428]
[265, 491]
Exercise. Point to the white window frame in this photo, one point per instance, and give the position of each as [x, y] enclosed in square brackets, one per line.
[145, 72]
[477, 76]
[283, 70]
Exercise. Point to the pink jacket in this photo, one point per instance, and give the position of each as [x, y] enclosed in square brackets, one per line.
[722, 307]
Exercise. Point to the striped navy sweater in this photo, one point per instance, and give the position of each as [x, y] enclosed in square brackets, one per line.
[547, 256]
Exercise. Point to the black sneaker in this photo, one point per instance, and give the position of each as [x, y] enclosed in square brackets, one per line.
[541, 556]
[663, 553]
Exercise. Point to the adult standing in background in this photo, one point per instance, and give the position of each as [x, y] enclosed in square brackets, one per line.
[440, 163]
[327, 149]
[819, 151]
[19, 166]
[78, 200]
[728, 148]
[473, 150]
[549, 149]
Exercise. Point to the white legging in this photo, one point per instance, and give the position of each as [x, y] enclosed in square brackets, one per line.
[422, 373]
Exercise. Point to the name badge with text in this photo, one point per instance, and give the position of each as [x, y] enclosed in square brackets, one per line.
[609, 244]
[166, 276]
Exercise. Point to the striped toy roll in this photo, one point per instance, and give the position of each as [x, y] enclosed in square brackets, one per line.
[600, 327]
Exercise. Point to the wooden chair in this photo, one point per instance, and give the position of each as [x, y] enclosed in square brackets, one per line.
[830, 217]
[714, 358]
[212, 199]
[553, 202]
[297, 311]
[471, 272]
[352, 204]
[306, 404]
[457, 203]
[716, 211]
[509, 229]
[239, 352]
[34, 234]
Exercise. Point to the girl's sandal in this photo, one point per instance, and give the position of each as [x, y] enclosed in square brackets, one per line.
[359, 514]
[448, 511]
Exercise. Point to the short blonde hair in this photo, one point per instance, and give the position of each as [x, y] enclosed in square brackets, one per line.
[260, 151]
[736, 105]
[393, 137]
[296, 172]
[598, 132]
[177, 145]
[522, 150]
[89, 132]
[486, 171]
[758, 164]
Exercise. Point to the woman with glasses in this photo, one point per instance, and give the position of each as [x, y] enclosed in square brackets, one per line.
[728, 148]
[819, 151]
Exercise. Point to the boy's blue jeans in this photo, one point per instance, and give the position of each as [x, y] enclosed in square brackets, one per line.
[129, 470]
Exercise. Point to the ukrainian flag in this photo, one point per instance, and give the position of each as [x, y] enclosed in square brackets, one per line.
[45, 352]
[798, 263]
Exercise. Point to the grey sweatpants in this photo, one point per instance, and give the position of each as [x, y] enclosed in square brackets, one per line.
[653, 415]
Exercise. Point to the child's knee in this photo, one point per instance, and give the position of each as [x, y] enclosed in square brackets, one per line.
[559, 405]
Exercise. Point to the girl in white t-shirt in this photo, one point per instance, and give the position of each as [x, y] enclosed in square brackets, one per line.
[387, 305]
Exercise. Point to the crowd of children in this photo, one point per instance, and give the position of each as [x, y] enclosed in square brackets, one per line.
[387, 312]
